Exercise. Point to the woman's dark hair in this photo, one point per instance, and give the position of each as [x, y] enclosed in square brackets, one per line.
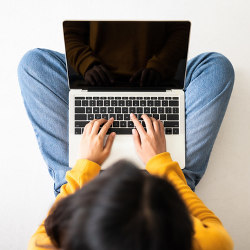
[124, 208]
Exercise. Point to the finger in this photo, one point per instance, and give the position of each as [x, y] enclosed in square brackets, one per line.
[144, 77]
[102, 75]
[88, 127]
[151, 77]
[148, 122]
[96, 126]
[137, 139]
[109, 143]
[97, 77]
[138, 125]
[107, 73]
[106, 127]
[162, 129]
[92, 80]
[135, 76]
[155, 125]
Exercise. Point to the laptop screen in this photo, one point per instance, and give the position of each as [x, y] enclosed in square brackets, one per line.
[126, 55]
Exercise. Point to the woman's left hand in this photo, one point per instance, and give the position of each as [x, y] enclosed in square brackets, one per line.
[92, 142]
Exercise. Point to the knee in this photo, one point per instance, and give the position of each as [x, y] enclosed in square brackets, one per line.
[29, 61]
[222, 68]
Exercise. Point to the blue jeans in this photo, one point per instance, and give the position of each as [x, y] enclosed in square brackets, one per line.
[43, 82]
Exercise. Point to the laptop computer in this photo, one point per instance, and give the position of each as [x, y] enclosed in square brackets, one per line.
[145, 65]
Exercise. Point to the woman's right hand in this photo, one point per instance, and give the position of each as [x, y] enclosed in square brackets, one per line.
[151, 142]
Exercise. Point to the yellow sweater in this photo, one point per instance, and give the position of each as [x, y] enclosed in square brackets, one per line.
[209, 232]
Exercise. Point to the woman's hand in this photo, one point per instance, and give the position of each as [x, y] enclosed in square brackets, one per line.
[150, 143]
[98, 75]
[92, 143]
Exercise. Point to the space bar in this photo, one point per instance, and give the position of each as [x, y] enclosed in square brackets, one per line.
[120, 131]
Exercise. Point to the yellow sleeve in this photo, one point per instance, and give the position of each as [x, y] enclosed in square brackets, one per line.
[209, 232]
[83, 172]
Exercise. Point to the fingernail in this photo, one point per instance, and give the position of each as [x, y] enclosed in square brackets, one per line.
[133, 131]
[131, 115]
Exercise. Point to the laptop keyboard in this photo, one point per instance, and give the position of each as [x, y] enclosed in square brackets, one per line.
[164, 108]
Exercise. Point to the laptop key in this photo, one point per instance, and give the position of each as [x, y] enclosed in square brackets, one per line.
[157, 103]
[171, 124]
[103, 110]
[131, 110]
[111, 110]
[168, 131]
[99, 103]
[130, 124]
[118, 110]
[153, 110]
[168, 110]
[90, 117]
[123, 124]
[124, 110]
[96, 110]
[156, 116]
[164, 103]
[150, 103]
[127, 117]
[80, 123]
[135, 103]
[106, 103]
[163, 117]
[176, 110]
[172, 117]
[78, 131]
[98, 116]
[143, 103]
[120, 131]
[105, 116]
[160, 110]
[173, 103]
[119, 116]
[79, 110]
[92, 103]
[114, 103]
[146, 110]
[89, 110]
[78, 103]
[115, 124]
[128, 103]
[139, 110]
[121, 103]
[80, 117]
[175, 131]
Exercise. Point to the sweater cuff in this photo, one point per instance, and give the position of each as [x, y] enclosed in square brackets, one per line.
[155, 163]
[162, 165]
[86, 168]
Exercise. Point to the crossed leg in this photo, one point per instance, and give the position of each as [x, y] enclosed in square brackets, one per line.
[43, 82]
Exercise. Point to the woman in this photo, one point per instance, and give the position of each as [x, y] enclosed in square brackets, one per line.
[124, 208]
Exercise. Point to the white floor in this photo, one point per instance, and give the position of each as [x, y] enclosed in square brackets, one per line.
[25, 186]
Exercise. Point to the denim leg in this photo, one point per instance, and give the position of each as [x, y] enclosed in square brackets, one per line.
[208, 86]
[43, 82]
